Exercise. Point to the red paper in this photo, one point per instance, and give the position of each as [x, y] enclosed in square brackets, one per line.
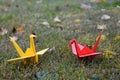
[84, 51]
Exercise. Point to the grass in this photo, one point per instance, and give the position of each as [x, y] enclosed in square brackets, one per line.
[60, 64]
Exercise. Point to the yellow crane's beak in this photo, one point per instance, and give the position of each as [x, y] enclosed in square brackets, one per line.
[33, 35]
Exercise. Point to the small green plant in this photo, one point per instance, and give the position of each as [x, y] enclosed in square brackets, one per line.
[6, 18]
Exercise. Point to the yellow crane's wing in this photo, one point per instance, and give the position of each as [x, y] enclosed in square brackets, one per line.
[20, 58]
[42, 51]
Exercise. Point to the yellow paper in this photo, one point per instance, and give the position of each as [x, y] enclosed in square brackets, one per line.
[29, 54]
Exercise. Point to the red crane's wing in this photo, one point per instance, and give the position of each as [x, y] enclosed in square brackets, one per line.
[90, 54]
[74, 48]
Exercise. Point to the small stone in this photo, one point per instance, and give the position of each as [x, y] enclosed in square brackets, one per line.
[105, 17]
[118, 23]
[103, 10]
[117, 38]
[77, 21]
[6, 9]
[38, 75]
[40, 1]
[27, 75]
[57, 20]
[3, 31]
[95, 77]
[13, 0]
[118, 6]
[15, 38]
[45, 23]
[52, 49]
[101, 26]
[92, 0]
[85, 6]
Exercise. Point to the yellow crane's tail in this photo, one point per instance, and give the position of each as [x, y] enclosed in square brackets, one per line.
[19, 50]
[42, 51]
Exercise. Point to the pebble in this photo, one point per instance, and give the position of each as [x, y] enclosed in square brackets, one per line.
[57, 20]
[95, 77]
[105, 17]
[77, 21]
[101, 26]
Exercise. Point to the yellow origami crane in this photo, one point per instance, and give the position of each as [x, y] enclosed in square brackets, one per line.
[30, 53]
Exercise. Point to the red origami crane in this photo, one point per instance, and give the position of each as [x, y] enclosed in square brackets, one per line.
[84, 52]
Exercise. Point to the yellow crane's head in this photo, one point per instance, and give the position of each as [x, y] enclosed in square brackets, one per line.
[33, 36]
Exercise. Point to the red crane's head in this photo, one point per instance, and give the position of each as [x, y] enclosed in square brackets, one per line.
[72, 41]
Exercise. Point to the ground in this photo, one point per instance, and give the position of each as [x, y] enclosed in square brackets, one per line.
[59, 63]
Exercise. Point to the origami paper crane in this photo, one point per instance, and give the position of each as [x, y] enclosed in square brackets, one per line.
[84, 52]
[30, 53]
